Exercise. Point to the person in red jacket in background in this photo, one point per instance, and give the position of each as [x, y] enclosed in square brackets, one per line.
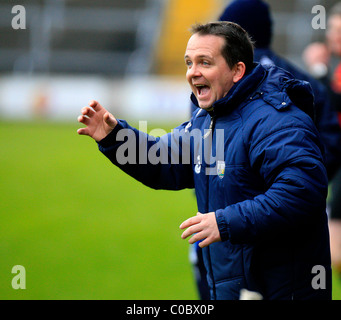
[324, 63]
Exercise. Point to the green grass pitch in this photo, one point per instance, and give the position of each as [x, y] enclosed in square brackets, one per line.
[83, 229]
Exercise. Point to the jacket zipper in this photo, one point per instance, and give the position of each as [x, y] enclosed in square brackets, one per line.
[210, 130]
[212, 125]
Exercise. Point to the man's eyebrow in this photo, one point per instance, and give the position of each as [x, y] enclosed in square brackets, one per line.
[202, 56]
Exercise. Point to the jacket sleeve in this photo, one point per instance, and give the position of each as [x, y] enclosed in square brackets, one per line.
[290, 162]
[154, 161]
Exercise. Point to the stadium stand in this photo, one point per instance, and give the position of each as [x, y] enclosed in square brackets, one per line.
[115, 37]
[108, 37]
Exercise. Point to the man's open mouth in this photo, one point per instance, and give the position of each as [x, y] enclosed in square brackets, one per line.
[202, 89]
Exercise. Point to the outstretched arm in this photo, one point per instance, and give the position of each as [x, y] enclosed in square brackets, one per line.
[147, 159]
[99, 122]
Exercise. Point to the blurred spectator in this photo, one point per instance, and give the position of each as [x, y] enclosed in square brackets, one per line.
[324, 62]
[323, 59]
[255, 17]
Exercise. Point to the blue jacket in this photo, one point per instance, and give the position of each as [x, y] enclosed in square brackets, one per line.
[268, 189]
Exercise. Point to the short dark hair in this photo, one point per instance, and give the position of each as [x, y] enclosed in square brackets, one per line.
[238, 44]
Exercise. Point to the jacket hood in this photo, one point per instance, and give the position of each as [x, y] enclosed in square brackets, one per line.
[280, 89]
[274, 85]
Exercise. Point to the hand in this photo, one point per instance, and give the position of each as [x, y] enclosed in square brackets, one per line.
[99, 122]
[204, 226]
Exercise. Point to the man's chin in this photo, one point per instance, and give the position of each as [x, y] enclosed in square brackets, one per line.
[204, 105]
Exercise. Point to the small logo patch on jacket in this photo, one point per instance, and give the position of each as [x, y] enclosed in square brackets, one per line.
[220, 168]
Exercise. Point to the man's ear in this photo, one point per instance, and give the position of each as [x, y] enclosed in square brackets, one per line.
[239, 71]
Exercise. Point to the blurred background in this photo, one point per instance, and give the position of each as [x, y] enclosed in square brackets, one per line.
[80, 227]
[126, 54]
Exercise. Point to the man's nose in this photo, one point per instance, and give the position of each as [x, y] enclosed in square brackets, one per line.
[194, 71]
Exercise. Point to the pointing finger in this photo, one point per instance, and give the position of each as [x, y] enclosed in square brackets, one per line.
[205, 243]
[88, 112]
[110, 120]
[95, 105]
[191, 230]
[83, 131]
[84, 120]
[197, 237]
[189, 222]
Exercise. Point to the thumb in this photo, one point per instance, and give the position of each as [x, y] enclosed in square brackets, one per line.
[110, 120]
[199, 213]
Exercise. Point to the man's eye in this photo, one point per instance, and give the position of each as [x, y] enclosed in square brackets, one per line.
[188, 63]
[205, 63]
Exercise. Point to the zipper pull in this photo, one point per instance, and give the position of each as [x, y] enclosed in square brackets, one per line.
[210, 129]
